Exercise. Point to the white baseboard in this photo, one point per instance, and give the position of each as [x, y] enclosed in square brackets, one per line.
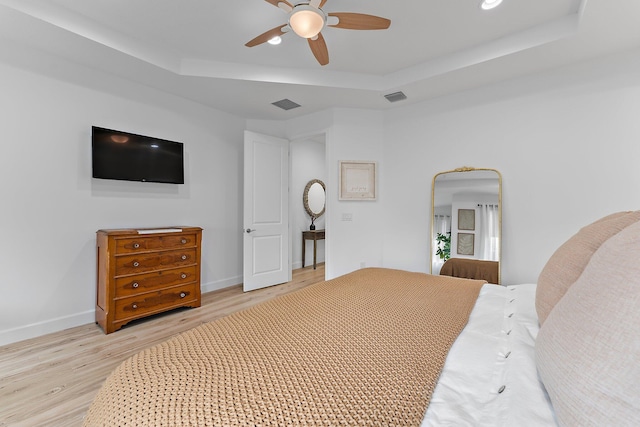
[220, 284]
[58, 324]
[34, 330]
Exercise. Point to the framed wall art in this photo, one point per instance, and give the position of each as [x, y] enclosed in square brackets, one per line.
[357, 180]
[466, 219]
[466, 243]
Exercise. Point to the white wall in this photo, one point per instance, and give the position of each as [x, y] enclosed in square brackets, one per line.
[51, 207]
[355, 135]
[566, 143]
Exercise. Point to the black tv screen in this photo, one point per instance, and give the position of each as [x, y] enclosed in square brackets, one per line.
[131, 157]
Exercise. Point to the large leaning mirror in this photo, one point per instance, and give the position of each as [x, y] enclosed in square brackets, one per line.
[466, 223]
[314, 200]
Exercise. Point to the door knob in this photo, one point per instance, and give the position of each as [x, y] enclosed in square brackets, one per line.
[248, 230]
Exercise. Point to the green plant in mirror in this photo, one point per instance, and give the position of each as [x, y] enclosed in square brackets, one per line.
[444, 245]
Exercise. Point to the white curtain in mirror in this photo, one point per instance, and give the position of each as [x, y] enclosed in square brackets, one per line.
[489, 246]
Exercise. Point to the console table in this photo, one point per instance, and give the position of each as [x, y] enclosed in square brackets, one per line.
[314, 235]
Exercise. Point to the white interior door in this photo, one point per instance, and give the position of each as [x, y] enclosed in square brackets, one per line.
[266, 211]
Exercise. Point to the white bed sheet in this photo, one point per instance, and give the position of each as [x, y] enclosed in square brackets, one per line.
[495, 349]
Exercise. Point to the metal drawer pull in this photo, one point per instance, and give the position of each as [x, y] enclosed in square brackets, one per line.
[183, 241]
[136, 263]
[136, 245]
[134, 306]
[135, 284]
[182, 295]
[184, 257]
[183, 275]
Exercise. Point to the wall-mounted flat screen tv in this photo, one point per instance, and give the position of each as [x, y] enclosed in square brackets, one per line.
[130, 157]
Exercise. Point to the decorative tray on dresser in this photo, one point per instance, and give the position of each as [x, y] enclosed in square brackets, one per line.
[146, 271]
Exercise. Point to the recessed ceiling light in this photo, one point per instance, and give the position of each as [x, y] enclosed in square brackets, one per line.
[490, 4]
[274, 41]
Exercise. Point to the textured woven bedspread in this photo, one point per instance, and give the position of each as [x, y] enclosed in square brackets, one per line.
[362, 349]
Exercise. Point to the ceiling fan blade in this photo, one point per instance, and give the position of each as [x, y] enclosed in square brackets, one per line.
[288, 6]
[266, 36]
[319, 49]
[359, 21]
[322, 3]
[317, 3]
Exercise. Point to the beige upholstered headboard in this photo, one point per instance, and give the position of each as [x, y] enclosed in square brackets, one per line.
[588, 347]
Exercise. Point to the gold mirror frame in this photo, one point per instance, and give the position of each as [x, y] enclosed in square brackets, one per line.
[305, 198]
[433, 188]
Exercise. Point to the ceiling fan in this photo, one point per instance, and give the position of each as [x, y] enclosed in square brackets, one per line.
[307, 19]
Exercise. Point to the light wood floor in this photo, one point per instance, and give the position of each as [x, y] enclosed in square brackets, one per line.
[51, 380]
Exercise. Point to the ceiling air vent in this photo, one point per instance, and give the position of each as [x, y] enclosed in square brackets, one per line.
[286, 104]
[395, 97]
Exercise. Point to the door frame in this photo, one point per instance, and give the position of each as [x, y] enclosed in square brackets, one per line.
[298, 138]
[293, 200]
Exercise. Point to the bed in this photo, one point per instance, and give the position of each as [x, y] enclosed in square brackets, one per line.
[384, 347]
[471, 269]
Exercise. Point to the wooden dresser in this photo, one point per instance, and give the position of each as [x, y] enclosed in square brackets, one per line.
[146, 271]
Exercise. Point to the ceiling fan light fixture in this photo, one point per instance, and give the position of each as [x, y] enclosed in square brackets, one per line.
[490, 4]
[307, 21]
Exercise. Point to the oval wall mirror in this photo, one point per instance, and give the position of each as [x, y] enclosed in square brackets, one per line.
[466, 223]
[314, 198]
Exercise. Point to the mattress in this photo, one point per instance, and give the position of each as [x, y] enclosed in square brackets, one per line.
[490, 377]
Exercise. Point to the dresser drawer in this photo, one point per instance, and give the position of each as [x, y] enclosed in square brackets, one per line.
[145, 262]
[155, 302]
[154, 243]
[157, 280]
